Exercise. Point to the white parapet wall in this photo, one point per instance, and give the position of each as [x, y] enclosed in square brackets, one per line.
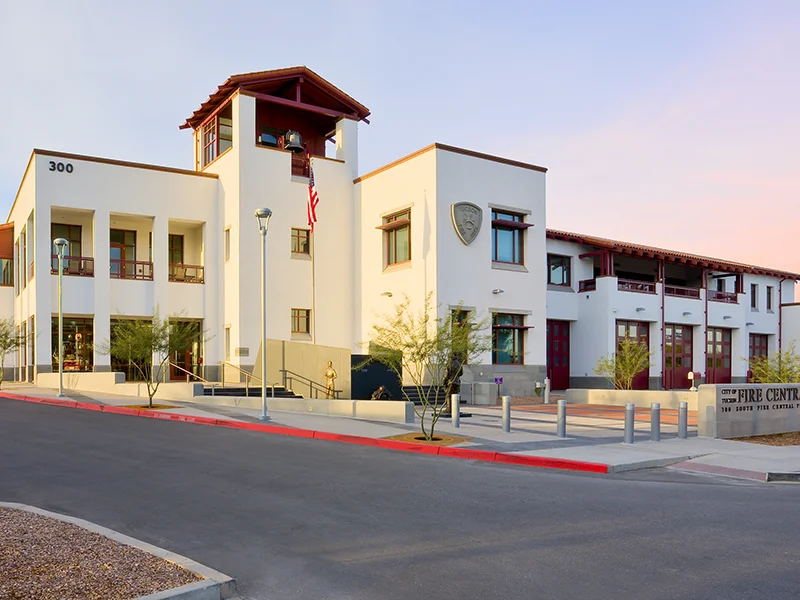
[640, 398]
[741, 410]
[377, 410]
[114, 383]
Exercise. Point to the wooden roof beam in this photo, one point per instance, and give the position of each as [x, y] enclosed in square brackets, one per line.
[295, 104]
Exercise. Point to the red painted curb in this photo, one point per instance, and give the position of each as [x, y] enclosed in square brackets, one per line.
[462, 453]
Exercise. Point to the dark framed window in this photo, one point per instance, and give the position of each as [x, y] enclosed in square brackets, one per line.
[175, 249]
[216, 135]
[769, 297]
[720, 285]
[559, 270]
[397, 237]
[227, 243]
[508, 339]
[508, 237]
[753, 295]
[78, 344]
[758, 345]
[301, 320]
[300, 241]
[272, 137]
[71, 233]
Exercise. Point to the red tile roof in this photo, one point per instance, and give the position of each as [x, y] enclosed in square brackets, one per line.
[667, 255]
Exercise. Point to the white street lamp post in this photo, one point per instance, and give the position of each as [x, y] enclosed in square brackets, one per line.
[263, 215]
[61, 246]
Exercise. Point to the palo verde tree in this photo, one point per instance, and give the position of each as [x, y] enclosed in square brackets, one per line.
[10, 341]
[147, 345]
[782, 366]
[429, 351]
[620, 367]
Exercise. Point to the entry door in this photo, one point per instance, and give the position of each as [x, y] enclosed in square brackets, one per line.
[718, 355]
[558, 354]
[189, 359]
[636, 330]
[677, 356]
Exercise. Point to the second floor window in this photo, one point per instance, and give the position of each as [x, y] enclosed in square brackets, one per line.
[175, 249]
[769, 297]
[508, 231]
[300, 241]
[397, 237]
[558, 270]
[754, 295]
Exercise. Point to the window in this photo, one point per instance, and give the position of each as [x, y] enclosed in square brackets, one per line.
[227, 243]
[272, 137]
[175, 249]
[461, 322]
[507, 339]
[558, 270]
[216, 135]
[301, 318]
[769, 297]
[123, 256]
[720, 285]
[6, 271]
[397, 237]
[78, 344]
[300, 241]
[754, 296]
[507, 237]
[21, 266]
[758, 345]
[227, 343]
[16, 261]
[71, 233]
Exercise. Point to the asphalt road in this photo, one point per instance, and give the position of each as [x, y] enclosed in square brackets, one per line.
[303, 519]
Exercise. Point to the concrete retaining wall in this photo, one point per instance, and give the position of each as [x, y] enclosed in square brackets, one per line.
[740, 410]
[641, 398]
[377, 410]
[114, 383]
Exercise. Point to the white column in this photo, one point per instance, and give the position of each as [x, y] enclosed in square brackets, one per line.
[161, 267]
[41, 308]
[102, 300]
[347, 144]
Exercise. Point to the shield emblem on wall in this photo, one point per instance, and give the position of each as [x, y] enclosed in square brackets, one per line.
[467, 218]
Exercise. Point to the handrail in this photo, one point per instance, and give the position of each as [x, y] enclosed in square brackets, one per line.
[247, 377]
[188, 373]
[313, 386]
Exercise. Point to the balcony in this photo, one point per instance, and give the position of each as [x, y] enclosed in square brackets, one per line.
[727, 297]
[631, 285]
[682, 291]
[587, 285]
[81, 266]
[131, 269]
[186, 273]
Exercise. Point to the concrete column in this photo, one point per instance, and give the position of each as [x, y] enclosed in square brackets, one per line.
[41, 307]
[161, 267]
[347, 144]
[102, 309]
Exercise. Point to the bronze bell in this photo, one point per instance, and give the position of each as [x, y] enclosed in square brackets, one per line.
[293, 141]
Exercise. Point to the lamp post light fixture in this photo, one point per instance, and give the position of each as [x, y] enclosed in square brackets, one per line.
[263, 215]
[61, 246]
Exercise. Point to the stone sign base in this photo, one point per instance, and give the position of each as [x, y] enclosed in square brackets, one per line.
[741, 410]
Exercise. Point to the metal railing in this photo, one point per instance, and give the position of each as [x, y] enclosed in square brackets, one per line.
[189, 374]
[130, 269]
[314, 388]
[728, 297]
[247, 378]
[681, 291]
[632, 285]
[186, 273]
[74, 265]
[587, 285]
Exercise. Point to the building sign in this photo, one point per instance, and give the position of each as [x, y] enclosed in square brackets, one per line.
[467, 219]
[762, 398]
[241, 351]
[731, 410]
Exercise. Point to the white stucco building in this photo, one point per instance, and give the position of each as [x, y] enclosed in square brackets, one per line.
[145, 237]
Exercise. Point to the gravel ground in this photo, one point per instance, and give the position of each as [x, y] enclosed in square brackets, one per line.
[47, 559]
[776, 439]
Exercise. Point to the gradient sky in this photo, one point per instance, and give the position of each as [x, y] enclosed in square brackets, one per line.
[674, 124]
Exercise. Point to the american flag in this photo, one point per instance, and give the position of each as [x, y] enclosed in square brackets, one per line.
[313, 198]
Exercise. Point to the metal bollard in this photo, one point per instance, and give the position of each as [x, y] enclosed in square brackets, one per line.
[629, 408]
[547, 390]
[455, 410]
[655, 422]
[683, 423]
[506, 413]
[561, 422]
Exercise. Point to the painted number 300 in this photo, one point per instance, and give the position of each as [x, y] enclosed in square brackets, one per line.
[60, 167]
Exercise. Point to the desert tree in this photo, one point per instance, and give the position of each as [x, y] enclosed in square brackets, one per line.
[782, 366]
[10, 341]
[429, 351]
[620, 367]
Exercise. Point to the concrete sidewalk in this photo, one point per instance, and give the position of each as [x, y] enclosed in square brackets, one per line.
[592, 439]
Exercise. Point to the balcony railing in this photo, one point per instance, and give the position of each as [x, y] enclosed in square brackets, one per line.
[728, 297]
[186, 273]
[631, 285]
[681, 291]
[587, 285]
[82, 266]
[131, 269]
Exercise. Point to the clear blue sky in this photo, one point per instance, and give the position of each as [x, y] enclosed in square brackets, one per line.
[668, 123]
